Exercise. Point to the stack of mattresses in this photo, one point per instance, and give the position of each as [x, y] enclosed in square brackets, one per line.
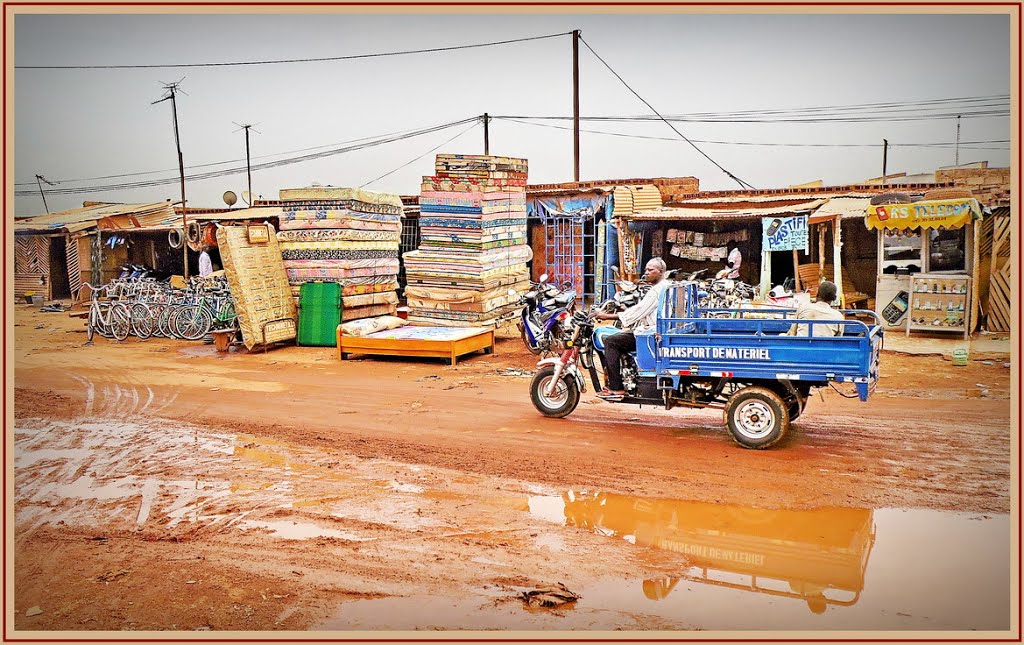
[473, 245]
[344, 235]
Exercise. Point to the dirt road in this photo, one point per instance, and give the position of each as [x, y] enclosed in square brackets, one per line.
[160, 485]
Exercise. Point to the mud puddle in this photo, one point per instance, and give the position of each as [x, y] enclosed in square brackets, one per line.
[743, 568]
[751, 569]
[828, 568]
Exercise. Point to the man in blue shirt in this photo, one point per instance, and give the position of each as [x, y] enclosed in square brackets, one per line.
[641, 316]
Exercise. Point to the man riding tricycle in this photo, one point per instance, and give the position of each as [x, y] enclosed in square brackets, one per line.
[758, 365]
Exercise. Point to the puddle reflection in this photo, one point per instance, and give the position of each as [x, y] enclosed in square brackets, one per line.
[819, 555]
[929, 570]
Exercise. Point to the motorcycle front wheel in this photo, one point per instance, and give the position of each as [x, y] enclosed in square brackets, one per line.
[562, 401]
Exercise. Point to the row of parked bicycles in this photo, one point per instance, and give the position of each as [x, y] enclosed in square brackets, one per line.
[145, 307]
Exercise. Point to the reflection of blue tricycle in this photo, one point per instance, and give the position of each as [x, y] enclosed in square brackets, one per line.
[698, 358]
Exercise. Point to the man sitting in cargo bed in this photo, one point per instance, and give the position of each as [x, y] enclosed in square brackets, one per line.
[820, 309]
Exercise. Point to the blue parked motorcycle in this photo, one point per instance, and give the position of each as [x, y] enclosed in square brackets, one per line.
[545, 308]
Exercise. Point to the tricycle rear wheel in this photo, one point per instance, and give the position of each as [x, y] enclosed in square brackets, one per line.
[757, 417]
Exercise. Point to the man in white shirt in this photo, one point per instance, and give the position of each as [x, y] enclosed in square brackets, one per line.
[821, 309]
[205, 264]
[641, 316]
[733, 262]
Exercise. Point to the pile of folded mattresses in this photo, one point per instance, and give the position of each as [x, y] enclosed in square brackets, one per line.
[347, 236]
[473, 245]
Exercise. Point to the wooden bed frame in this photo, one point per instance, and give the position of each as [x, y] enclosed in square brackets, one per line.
[470, 340]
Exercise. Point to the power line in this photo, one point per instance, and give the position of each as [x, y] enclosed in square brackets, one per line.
[704, 154]
[391, 172]
[715, 116]
[263, 166]
[894, 117]
[221, 163]
[300, 60]
[883, 106]
[754, 143]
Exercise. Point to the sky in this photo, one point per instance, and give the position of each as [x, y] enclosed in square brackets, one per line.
[80, 127]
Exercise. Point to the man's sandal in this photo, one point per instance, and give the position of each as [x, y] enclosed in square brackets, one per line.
[610, 395]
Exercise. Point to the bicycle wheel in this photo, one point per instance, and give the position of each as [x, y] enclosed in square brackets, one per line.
[163, 321]
[142, 321]
[120, 321]
[91, 323]
[103, 320]
[192, 323]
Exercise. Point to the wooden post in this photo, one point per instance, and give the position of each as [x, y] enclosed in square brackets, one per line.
[766, 273]
[796, 270]
[97, 259]
[975, 232]
[821, 248]
[622, 260]
[837, 258]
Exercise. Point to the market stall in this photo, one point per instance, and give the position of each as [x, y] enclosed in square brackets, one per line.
[927, 264]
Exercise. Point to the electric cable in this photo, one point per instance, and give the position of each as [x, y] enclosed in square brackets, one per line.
[236, 170]
[221, 163]
[962, 144]
[714, 116]
[742, 183]
[300, 60]
[829, 119]
[391, 172]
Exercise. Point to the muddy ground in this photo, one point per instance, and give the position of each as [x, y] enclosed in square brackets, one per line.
[163, 486]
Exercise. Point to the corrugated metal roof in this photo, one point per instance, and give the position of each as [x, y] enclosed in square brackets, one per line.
[696, 214]
[632, 199]
[758, 199]
[257, 212]
[78, 219]
[845, 207]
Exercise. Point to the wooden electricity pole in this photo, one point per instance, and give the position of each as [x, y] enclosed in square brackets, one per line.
[576, 104]
[172, 91]
[487, 138]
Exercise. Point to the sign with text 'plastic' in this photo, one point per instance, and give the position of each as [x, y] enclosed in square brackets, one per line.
[784, 233]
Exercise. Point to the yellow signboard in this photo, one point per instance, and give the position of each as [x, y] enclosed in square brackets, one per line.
[945, 213]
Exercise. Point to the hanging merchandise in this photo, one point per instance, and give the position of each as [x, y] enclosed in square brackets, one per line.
[175, 238]
[209, 235]
[193, 234]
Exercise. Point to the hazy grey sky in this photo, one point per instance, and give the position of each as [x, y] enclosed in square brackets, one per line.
[81, 124]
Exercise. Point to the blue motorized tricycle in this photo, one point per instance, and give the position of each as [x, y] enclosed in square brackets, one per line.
[740, 360]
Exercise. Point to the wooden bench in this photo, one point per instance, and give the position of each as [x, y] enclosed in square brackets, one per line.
[810, 278]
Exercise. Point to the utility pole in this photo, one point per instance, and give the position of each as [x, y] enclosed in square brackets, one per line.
[576, 103]
[40, 178]
[487, 138]
[248, 167]
[956, 160]
[172, 89]
[885, 154]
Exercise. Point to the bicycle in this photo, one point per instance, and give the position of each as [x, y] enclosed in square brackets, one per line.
[214, 310]
[108, 318]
